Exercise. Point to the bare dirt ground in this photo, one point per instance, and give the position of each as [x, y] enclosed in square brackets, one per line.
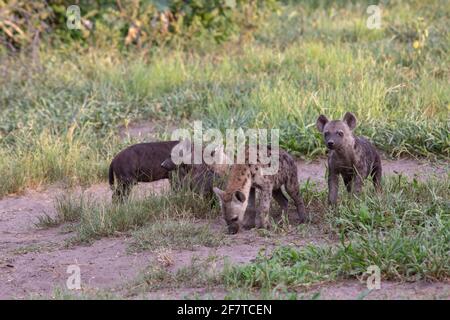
[33, 261]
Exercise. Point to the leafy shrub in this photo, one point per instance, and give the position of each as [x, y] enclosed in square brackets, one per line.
[22, 21]
[130, 22]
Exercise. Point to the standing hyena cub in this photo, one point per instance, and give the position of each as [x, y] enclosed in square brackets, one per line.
[239, 193]
[352, 157]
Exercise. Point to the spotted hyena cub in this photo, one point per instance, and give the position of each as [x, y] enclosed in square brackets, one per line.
[244, 178]
[350, 156]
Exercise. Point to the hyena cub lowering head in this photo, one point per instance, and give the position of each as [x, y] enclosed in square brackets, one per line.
[352, 157]
[240, 192]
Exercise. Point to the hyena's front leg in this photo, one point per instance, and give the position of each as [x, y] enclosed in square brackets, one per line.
[358, 180]
[292, 188]
[348, 182]
[263, 217]
[281, 199]
[333, 187]
[250, 212]
[376, 177]
[122, 192]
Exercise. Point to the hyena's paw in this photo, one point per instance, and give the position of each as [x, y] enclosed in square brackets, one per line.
[301, 218]
[263, 223]
[248, 226]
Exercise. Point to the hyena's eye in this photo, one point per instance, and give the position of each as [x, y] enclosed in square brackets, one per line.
[326, 133]
[341, 133]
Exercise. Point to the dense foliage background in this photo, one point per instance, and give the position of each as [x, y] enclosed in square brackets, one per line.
[67, 98]
[127, 22]
[66, 94]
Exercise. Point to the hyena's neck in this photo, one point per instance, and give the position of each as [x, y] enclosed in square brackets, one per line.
[239, 180]
[350, 150]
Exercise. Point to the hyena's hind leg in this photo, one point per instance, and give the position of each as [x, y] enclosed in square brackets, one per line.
[281, 199]
[292, 188]
[250, 212]
[348, 182]
[121, 192]
[376, 176]
[262, 216]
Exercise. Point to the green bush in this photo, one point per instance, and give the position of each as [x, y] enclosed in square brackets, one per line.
[22, 21]
[129, 22]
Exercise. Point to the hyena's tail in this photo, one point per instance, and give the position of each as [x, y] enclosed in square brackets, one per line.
[111, 177]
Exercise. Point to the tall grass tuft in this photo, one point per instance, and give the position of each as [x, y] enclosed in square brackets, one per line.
[301, 63]
[98, 218]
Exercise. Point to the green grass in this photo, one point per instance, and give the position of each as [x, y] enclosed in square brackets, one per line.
[69, 208]
[85, 294]
[171, 215]
[59, 120]
[198, 274]
[179, 235]
[275, 294]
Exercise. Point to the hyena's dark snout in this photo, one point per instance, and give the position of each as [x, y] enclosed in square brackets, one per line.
[330, 144]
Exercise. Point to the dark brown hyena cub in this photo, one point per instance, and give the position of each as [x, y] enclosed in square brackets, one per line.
[350, 156]
[147, 162]
[138, 163]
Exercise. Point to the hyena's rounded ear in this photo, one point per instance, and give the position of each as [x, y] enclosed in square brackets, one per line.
[239, 196]
[350, 120]
[321, 122]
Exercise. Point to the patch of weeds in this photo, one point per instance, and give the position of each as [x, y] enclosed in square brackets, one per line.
[47, 221]
[69, 208]
[95, 219]
[181, 234]
[285, 267]
[83, 294]
[272, 294]
[406, 205]
[33, 248]
[198, 274]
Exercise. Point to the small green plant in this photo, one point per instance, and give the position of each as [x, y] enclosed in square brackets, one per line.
[179, 234]
[94, 219]
[69, 208]
[199, 273]
[59, 293]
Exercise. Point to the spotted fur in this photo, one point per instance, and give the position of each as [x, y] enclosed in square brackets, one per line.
[243, 178]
